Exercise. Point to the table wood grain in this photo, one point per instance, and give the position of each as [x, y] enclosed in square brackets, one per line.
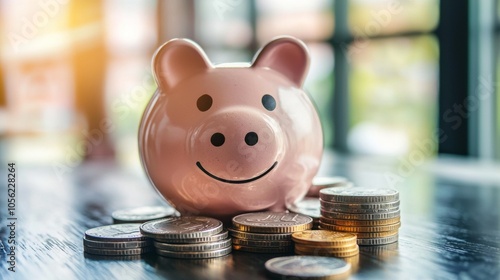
[450, 227]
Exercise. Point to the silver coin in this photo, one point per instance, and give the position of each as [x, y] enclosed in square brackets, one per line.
[260, 236]
[361, 206]
[339, 207]
[272, 222]
[196, 247]
[181, 227]
[116, 245]
[359, 195]
[195, 255]
[262, 243]
[350, 216]
[377, 241]
[142, 214]
[117, 252]
[214, 238]
[307, 266]
[359, 211]
[308, 206]
[116, 233]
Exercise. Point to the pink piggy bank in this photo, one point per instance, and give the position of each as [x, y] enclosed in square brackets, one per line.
[227, 139]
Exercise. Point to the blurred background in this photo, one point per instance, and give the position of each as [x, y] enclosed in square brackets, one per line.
[391, 78]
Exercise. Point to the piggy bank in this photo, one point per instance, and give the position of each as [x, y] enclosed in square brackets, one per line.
[220, 140]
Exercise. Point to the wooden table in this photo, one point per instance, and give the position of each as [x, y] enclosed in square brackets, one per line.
[450, 224]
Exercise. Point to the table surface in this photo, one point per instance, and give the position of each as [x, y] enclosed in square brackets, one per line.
[450, 223]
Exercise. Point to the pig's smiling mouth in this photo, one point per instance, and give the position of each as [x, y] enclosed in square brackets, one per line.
[235, 181]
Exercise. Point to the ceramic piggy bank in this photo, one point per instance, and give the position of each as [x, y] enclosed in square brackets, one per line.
[226, 139]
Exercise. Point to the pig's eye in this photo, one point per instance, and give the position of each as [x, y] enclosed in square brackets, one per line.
[268, 102]
[204, 102]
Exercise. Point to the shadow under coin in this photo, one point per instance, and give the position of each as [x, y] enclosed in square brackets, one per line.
[173, 268]
[112, 258]
[380, 252]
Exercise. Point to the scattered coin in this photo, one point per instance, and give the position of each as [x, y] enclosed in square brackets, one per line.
[307, 267]
[142, 214]
[308, 206]
[181, 227]
[115, 233]
[272, 222]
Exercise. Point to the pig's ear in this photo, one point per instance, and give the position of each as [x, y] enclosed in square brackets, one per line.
[286, 55]
[177, 60]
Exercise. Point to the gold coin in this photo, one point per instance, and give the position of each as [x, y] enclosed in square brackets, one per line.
[376, 234]
[272, 222]
[356, 229]
[304, 247]
[359, 223]
[327, 253]
[324, 237]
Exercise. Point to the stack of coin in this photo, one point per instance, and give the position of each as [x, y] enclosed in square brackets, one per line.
[372, 214]
[142, 214]
[188, 237]
[116, 240]
[308, 206]
[267, 232]
[325, 243]
[308, 267]
[319, 183]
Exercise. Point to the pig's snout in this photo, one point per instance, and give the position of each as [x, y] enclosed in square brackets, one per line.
[237, 145]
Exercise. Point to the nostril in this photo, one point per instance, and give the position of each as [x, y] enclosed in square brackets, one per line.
[217, 139]
[251, 138]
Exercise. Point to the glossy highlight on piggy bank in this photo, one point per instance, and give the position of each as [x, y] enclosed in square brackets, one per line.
[227, 139]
